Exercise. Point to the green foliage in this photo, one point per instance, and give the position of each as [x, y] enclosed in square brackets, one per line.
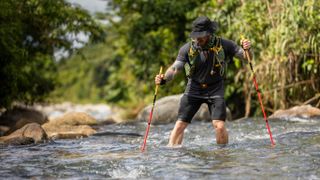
[154, 30]
[285, 37]
[290, 59]
[30, 32]
[143, 35]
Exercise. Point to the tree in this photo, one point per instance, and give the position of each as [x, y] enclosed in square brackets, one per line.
[146, 34]
[30, 32]
[285, 37]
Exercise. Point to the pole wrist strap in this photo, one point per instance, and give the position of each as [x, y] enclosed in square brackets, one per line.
[163, 82]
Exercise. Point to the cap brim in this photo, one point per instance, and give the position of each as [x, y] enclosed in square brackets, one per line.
[199, 34]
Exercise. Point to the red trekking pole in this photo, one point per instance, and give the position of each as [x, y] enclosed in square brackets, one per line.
[259, 94]
[150, 116]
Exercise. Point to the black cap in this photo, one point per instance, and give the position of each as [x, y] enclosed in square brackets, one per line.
[203, 26]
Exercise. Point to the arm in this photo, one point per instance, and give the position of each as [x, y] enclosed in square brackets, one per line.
[234, 50]
[240, 52]
[174, 69]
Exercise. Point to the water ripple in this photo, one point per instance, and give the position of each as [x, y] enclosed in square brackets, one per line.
[247, 156]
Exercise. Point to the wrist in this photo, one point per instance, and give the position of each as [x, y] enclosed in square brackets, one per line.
[163, 81]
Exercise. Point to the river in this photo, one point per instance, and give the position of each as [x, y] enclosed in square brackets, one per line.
[248, 155]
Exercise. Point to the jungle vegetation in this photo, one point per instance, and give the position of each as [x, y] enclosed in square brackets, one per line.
[141, 36]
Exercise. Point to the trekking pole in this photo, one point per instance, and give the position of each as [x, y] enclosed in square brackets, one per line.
[258, 92]
[150, 116]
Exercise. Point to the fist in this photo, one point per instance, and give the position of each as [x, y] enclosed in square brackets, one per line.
[158, 79]
[246, 44]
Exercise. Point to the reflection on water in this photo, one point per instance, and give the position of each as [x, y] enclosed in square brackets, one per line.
[249, 154]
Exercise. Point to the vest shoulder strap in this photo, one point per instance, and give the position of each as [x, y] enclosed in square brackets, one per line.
[215, 47]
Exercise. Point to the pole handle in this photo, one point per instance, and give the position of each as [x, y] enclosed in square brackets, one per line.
[157, 86]
[246, 51]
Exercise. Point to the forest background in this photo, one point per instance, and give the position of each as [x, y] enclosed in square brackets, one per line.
[121, 56]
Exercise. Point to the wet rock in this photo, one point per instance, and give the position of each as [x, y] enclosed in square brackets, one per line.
[3, 130]
[68, 132]
[166, 111]
[28, 134]
[19, 140]
[74, 119]
[18, 117]
[71, 125]
[304, 111]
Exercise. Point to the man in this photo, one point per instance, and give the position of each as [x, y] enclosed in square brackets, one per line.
[204, 59]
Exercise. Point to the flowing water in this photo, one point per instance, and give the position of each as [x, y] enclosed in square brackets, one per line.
[248, 155]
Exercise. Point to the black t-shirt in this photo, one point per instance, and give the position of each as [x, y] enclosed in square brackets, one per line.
[203, 70]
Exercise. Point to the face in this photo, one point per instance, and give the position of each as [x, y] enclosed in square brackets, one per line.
[202, 41]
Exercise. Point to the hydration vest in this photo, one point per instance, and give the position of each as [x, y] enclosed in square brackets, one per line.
[218, 59]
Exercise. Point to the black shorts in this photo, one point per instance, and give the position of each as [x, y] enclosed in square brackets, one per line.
[190, 105]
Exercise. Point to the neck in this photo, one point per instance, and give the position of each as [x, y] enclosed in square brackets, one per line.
[209, 42]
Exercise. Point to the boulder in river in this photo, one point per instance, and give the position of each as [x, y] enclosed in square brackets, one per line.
[28, 134]
[304, 111]
[166, 111]
[67, 131]
[14, 119]
[74, 119]
[71, 125]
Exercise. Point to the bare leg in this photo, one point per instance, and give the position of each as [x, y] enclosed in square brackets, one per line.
[176, 135]
[221, 132]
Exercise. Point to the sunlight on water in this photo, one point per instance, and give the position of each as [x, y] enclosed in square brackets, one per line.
[128, 173]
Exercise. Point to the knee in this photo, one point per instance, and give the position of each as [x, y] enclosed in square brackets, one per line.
[180, 126]
[218, 125]
[180, 129]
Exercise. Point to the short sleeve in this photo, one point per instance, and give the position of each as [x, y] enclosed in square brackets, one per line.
[230, 48]
[183, 53]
